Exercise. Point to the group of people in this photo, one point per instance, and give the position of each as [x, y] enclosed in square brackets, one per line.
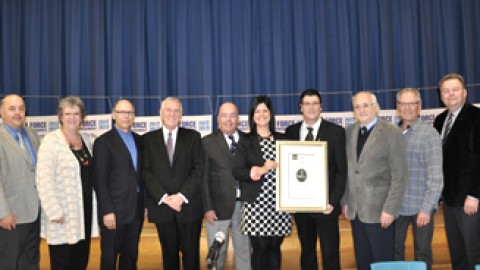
[382, 177]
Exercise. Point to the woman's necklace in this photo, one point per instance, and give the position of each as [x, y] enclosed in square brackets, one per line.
[81, 154]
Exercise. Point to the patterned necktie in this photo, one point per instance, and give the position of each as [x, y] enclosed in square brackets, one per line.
[363, 130]
[170, 147]
[233, 144]
[448, 127]
[21, 143]
[309, 136]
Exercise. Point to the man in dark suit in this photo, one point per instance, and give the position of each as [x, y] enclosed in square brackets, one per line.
[116, 178]
[459, 126]
[314, 128]
[172, 173]
[221, 192]
[376, 181]
[19, 203]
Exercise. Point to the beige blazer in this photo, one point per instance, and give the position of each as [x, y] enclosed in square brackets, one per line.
[18, 191]
[60, 190]
[376, 181]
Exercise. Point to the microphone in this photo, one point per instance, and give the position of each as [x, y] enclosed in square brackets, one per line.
[215, 247]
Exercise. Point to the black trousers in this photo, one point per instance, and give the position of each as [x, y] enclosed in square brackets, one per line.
[176, 237]
[266, 253]
[70, 257]
[463, 236]
[122, 242]
[326, 228]
[75, 256]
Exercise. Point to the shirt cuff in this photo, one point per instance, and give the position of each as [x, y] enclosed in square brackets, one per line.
[161, 199]
[183, 197]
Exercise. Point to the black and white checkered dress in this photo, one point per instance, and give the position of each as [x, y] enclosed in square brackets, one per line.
[260, 218]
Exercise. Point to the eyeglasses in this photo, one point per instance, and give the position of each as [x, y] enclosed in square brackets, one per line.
[313, 104]
[407, 104]
[125, 112]
[358, 107]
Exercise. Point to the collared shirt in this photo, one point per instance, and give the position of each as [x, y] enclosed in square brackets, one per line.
[174, 140]
[174, 136]
[424, 157]
[26, 141]
[304, 130]
[454, 117]
[236, 136]
[370, 125]
[130, 144]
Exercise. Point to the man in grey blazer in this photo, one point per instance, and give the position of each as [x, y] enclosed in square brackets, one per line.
[19, 203]
[220, 192]
[376, 181]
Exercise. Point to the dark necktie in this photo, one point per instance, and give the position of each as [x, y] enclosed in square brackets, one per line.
[233, 148]
[170, 147]
[363, 130]
[309, 136]
[448, 127]
[233, 144]
[362, 138]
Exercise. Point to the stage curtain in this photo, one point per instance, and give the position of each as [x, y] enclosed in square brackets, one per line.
[210, 51]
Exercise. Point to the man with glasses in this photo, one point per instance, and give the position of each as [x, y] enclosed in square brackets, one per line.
[376, 181]
[424, 157]
[325, 225]
[459, 126]
[120, 195]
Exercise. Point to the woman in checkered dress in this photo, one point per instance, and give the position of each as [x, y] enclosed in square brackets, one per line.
[255, 169]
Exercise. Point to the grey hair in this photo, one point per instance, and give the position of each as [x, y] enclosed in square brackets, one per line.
[71, 101]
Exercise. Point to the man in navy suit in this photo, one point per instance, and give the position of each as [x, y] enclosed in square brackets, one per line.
[116, 178]
[172, 172]
[459, 126]
[325, 225]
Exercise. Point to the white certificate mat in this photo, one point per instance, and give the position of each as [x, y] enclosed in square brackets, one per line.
[302, 176]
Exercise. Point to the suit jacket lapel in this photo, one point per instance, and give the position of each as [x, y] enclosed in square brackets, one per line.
[223, 144]
[353, 144]
[138, 144]
[178, 147]
[457, 124]
[322, 131]
[117, 140]
[161, 144]
[14, 144]
[370, 140]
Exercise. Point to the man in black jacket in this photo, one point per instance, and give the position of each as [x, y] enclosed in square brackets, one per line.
[314, 128]
[459, 126]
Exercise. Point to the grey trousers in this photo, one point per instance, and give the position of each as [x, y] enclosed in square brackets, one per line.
[422, 238]
[241, 243]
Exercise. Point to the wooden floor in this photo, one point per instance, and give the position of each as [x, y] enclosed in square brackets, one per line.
[150, 255]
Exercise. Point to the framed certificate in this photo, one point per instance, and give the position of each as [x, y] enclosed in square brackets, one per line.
[302, 176]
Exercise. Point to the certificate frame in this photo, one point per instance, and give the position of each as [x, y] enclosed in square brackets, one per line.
[302, 176]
